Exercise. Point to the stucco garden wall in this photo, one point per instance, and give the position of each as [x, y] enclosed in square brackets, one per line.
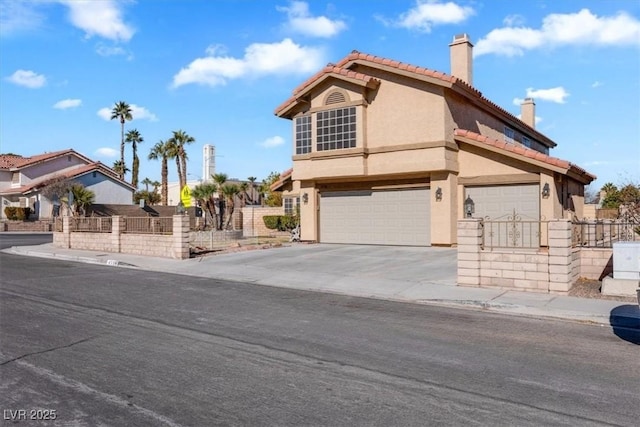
[252, 222]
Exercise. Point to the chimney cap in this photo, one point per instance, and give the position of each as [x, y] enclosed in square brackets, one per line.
[528, 101]
[460, 39]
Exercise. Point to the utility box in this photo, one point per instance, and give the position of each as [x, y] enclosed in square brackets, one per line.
[626, 260]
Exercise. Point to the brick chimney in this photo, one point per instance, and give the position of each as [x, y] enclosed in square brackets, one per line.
[528, 112]
[462, 58]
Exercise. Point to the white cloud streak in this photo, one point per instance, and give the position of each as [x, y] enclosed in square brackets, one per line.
[107, 152]
[555, 94]
[67, 103]
[285, 57]
[137, 112]
[99, 18]
[301, 21]
[274, 141]
[573, 29]
[18, 17]
[28, 79]
[428, 13]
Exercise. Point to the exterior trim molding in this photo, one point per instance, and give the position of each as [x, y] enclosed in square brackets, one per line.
[517, 178]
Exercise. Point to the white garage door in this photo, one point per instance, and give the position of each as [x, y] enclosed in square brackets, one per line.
[499, 203]
[398, 217]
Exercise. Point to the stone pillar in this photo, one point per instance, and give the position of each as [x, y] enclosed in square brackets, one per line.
[560, 256]
[469, 247]
[117, 227]
[66, 232]
[248, 217]
[180, 246]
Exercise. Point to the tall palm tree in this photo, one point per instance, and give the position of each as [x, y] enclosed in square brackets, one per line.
[147, 182]
[122, 112]
[244, 186]
[120, 168]
[180, 138]
[173, 154]
[160, 151]
[134, 138]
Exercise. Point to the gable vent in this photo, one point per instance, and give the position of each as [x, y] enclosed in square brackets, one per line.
[335, 98]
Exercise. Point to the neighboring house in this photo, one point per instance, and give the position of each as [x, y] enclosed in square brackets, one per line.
[387, 153]
[22, 179]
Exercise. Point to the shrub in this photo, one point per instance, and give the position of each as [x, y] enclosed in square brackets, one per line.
[14, 213]
[280, 222]
[271, 221]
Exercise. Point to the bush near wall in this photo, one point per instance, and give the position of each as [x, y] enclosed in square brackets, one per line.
[14, 213]
[280, 222]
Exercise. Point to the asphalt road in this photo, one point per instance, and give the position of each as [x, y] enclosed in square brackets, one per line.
[103, 345]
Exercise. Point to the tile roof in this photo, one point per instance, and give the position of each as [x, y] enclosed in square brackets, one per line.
[284, 176]
[10, 161]
[358, 57]
[522, 151]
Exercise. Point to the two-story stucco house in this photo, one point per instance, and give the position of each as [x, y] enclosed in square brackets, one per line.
[387, 153]
[22, 179]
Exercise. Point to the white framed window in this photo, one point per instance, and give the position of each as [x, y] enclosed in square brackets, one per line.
[336, 129]
[290, 205]
[303, 134]
[509, 134]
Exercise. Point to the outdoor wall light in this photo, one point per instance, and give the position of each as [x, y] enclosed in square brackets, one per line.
[438, 194]
[469, 207]
[546, 191]
[305, 198]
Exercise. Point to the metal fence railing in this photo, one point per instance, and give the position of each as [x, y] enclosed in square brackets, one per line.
[90, 224]
[513, 231]
[603, 234]
[148, 225]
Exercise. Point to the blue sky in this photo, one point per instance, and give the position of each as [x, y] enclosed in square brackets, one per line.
[218, 69]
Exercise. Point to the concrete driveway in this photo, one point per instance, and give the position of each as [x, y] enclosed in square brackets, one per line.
[322, 263]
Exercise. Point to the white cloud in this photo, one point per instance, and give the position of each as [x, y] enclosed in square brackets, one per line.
[28, 79]
[301, 21]
[285, 57]
[107, 152]
[556, 94]
[99, 18]
[429, 13]
[17, 17]
[104, 50]
[67, 103]
[274, 141]
[513, 20]
[581, 28]
[137, 112]
[596, 84]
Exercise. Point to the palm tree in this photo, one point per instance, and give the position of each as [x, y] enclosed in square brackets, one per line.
[122, 112]
[160, 151]
[252, 180]
[147, 182]
[82, 199]
[220, 179]
[180, 138]
[244, 186]
[120, 168]
[205, 195]
[134, 138]
[229, 192]
[173, 153]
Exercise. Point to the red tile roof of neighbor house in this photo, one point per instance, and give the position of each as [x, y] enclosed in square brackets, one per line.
[11, 161]
[523, 151]
[342, 68]
[284, 176]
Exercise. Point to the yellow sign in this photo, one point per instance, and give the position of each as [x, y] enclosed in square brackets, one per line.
[185, 196]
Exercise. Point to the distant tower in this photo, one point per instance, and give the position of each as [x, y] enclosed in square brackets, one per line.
[208, 162]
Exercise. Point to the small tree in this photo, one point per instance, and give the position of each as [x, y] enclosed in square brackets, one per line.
[82, 199]
[271, 198]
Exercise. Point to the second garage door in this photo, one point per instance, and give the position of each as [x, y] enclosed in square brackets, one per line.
[398, 217]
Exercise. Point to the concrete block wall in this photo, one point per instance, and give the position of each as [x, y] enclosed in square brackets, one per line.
[252, 222]
[596, 263]
[174, 245]
[553, 269]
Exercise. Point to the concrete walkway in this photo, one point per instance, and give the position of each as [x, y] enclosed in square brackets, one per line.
[405, 274]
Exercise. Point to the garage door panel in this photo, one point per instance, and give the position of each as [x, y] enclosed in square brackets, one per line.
[398, 217]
